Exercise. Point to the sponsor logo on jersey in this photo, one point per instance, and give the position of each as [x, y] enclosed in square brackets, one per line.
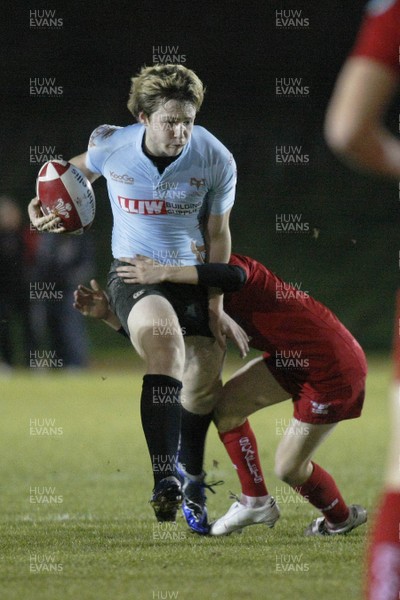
[197, 182]
[142, 207]
[158, 207]
[121, 178]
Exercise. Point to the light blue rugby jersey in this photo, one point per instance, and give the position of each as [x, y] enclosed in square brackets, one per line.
[158, 215]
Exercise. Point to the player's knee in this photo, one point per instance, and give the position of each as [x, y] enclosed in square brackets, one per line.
[166, 359]
[163, 354]
[203, 398]
[201, 404]
[224, 421]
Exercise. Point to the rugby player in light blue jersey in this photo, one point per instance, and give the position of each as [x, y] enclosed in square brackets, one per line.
[171, 186]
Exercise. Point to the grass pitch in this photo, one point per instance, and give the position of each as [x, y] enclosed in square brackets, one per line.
[76, 523]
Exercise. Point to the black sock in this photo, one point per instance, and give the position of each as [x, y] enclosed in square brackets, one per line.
[193, 438]
[160, 411]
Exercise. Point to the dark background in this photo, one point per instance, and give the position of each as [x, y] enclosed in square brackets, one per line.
[238, 52]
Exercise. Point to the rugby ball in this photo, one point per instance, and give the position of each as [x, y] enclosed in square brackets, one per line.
[65, 191]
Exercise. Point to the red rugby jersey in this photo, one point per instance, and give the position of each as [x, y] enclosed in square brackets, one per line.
[379, 36]
[288, 323]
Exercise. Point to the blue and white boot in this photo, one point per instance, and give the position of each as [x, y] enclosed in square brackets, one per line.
[194, 500]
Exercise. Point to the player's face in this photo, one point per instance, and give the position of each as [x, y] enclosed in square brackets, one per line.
[169, 128]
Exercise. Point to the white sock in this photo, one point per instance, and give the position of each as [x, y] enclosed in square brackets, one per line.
[253, 501]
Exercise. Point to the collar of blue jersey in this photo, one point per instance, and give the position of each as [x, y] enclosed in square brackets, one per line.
[139, 143]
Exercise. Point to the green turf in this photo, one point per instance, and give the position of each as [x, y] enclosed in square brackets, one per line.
[100, 540]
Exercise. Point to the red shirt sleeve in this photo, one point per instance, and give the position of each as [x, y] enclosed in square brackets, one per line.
[245, 262]
[379, 36]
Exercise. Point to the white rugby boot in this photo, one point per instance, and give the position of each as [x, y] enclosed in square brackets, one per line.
[319, 527]
[239, 516]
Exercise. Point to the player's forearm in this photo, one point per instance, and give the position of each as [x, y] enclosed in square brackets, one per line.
[229, 278]
[219, 251]
[179, 275]
[218, 238]
[375, 150]
[219, 247]
[354, 124]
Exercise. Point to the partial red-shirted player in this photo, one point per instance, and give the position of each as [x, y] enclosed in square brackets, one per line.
[309, 356]
[355, 128]
[355, 120]
[383, 581]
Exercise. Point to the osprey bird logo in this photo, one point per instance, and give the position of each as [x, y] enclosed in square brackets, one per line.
[197, 182]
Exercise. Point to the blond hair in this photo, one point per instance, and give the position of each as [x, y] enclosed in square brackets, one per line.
[159, 83]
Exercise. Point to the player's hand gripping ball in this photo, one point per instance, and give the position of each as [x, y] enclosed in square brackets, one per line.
[65, 191]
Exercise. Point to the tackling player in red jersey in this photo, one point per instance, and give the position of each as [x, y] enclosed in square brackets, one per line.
[355, 129]
[308, 355]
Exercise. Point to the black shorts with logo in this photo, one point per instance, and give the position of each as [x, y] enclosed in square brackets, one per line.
[190, 302]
